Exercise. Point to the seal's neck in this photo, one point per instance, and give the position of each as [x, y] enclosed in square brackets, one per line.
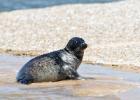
[78, 54]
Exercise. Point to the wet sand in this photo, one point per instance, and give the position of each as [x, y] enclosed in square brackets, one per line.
[100, 84]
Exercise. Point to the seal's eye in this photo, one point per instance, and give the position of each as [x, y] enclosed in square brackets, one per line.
[76, 42]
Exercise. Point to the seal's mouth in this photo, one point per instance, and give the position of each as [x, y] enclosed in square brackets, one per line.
[84, 45]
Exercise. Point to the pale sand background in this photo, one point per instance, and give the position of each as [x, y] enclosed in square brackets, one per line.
[111, 29]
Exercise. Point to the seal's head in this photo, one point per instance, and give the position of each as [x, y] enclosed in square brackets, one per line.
[76, 45]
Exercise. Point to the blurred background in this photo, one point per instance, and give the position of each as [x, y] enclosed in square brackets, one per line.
[110, 27]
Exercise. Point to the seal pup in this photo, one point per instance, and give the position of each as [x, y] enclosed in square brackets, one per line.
[54, 66]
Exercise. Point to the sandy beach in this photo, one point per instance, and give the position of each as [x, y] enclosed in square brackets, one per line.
[111, 63]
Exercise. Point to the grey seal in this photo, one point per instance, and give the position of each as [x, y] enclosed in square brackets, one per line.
[54, 66]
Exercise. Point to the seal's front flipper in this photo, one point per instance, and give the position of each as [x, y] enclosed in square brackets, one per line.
[70, 72]
[80, 78]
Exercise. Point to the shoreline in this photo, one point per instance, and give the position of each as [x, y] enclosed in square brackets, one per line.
[119, 67]
[19, 52]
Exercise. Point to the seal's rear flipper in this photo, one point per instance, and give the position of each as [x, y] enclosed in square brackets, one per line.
[24, 80]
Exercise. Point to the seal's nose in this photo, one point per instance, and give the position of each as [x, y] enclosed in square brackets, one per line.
[84, 45]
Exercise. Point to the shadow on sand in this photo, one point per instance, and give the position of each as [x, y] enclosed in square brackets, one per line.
[9, 5]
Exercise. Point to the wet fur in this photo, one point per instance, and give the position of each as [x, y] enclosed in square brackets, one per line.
[54, 66]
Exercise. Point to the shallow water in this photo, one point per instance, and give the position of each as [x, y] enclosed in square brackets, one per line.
[100, 84]
[8, 5]
[101, 70]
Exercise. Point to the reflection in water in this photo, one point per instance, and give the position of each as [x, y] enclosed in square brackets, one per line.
[100, 70]
[134, 94]
[100, 85]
